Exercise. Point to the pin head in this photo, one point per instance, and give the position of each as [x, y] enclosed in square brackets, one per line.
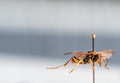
[93, 35]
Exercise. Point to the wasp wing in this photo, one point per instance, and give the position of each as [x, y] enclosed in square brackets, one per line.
[79, 55]
[106, 53]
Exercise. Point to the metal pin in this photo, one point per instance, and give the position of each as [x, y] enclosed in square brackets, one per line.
[93, 37]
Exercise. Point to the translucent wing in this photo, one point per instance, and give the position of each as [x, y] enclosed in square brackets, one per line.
[106, 53]
[79, 55]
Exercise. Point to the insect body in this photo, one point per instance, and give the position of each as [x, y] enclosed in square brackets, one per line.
[89, 57]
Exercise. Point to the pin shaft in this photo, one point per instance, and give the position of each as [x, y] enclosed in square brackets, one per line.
[93, 37]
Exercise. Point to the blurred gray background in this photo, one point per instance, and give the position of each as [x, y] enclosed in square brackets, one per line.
[38, 31]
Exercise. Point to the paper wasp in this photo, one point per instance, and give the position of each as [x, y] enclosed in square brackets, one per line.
[90, 57]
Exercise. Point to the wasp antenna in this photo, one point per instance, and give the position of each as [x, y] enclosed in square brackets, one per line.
[68, 53]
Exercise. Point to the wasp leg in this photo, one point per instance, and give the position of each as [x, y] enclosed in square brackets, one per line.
[102, 62]
[91, 62]
[107, 60]
[76, 65]
[99, 62]
[61, 65]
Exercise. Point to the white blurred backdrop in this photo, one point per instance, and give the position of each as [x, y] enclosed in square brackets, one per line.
[61, 16]
[34, 34]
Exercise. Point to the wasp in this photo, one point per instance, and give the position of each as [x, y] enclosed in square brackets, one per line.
[90, 57]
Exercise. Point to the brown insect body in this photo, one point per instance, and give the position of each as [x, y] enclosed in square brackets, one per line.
[76, 59]
[88, 58]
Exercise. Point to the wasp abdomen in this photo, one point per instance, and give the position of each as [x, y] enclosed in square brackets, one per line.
[75, 60]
